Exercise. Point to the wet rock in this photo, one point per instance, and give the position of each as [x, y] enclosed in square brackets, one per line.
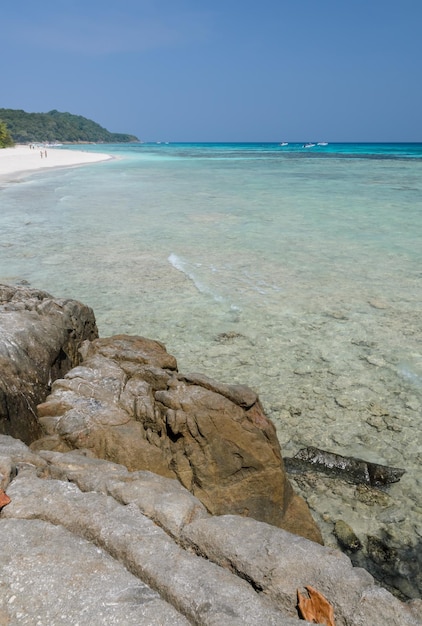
[346, 536]
[376, 409]
[343, 401]
[378, 303]
[371, 496]
[338, 315]
[348, 468]
[377, 422]
[378, 361]
[396, 565]
[228, 337]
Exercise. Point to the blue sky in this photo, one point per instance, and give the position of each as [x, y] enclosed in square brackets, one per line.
[220, 70]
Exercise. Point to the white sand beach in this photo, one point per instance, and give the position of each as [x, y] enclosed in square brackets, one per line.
[20, 160]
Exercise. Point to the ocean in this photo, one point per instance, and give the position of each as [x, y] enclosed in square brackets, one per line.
[294, 270]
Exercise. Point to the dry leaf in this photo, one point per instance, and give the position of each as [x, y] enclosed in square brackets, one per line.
[4, 499]
[316, 608]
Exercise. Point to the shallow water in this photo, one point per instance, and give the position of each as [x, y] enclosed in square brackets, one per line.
[297, 272]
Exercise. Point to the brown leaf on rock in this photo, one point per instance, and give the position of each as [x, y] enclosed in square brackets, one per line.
[4, 499]
[316, 608]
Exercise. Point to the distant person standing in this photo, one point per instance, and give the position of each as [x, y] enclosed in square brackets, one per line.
[41, 153]
[45, 154]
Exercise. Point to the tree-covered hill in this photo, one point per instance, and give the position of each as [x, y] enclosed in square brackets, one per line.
[56, 127]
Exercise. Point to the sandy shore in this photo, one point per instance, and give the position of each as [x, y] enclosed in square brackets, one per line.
[20, 160]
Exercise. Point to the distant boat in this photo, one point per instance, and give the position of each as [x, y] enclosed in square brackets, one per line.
[284, 143]
[308, 145]
[322, 143]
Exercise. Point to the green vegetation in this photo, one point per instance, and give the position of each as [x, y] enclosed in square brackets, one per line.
[56, 127]
[5, 138]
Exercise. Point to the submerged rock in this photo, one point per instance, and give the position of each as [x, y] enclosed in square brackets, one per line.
[348, 468]
[346, 536]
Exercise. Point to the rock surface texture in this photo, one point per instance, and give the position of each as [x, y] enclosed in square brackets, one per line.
[39, 341]
[127, 403]
[88, 542]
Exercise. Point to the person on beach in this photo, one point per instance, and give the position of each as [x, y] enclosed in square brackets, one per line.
[41, 153]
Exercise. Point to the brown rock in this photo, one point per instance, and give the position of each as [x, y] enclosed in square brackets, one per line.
[224, 458]
[127, 403]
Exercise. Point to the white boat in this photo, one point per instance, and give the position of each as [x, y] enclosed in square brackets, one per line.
[322, 143]
[308, 145]
[284, 143]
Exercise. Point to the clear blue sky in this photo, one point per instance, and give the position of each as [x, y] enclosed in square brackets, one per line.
[220, 70]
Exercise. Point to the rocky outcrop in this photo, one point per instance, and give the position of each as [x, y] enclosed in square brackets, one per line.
[40, 339]
[90, 542]
[127, 403]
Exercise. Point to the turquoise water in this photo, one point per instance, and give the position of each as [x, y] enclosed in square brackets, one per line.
[294, 270]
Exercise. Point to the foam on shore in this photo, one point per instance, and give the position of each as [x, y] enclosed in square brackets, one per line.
[20, 160]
